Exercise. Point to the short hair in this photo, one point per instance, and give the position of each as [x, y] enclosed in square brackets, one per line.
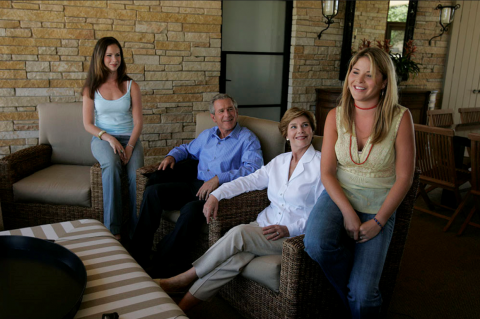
[292, 114]
[221, 96]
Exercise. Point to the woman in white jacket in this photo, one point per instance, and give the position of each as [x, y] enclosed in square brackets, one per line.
[294, 184]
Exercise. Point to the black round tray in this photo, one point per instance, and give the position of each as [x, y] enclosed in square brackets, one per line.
[39, 279]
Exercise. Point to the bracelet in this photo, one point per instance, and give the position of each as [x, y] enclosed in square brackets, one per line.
[100, 134]
[376, 220]
[130, 145]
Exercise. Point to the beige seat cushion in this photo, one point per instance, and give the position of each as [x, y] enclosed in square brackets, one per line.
[264, 270]
[57, 184]
[172, 215]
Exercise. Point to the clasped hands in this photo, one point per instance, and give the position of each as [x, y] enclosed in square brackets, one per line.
[361, 232]
[124, 153]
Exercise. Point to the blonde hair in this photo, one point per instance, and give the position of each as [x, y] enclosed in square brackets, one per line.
[388, 102]
[292, 114]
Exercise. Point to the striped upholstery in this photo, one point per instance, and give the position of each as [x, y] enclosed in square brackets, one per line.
[115, 282]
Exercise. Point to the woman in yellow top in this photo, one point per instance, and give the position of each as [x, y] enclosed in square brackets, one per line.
[367, 166]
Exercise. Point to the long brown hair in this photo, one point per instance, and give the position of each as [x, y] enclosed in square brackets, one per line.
[388, 102]
[98, 72]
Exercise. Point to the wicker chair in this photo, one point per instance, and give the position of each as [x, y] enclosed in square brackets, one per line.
[440, 118]
[272, 144]
[435, 158]
[474, 191]
[304, 291]
[63, 155]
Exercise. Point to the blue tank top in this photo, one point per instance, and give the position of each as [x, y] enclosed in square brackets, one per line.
[114, 116]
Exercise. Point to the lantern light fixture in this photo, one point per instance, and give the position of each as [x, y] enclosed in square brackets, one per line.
[329, 11]
[446, 18]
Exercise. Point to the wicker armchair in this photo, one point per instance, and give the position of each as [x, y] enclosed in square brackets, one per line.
[304, 291]
[63, 155]
[272, 144]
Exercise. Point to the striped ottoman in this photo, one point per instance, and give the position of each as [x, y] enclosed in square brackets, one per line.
[115, 282]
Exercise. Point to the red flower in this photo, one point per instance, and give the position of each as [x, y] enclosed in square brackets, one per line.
[386, 46]
[410, 49]
[365, 44]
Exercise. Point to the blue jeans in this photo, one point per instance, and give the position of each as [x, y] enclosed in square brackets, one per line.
[353, 269]
[111, 165]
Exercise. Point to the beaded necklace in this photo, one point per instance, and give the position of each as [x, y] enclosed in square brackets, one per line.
[351, 153]
[365, 108]
[361, 108]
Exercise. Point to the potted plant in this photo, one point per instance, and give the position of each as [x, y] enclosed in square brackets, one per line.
[404, 64]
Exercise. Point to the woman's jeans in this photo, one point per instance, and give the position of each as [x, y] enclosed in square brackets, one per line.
[353, 269]
[112, 166]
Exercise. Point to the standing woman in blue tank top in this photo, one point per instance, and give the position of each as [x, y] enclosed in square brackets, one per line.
[112, 113]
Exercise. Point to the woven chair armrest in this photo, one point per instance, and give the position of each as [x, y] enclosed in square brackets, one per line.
[148, 169]
[301, 276]
[23, 163]
[96, 187]
[142, 183]
[241, 209]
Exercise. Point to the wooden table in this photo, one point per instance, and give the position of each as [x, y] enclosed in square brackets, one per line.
[115, 282]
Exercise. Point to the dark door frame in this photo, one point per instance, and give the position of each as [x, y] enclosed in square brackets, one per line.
[286, 62]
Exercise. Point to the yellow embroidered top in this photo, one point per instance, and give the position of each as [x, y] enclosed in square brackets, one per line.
[367, 185]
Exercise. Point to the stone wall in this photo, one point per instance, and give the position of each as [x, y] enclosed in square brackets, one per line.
[371, 21]
[172, 49]
[316, 63]
[313, 62]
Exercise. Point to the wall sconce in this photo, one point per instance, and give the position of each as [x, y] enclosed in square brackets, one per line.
[329, 11]
[446, 17]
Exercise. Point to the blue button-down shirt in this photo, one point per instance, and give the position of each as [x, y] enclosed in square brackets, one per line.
[236, 155]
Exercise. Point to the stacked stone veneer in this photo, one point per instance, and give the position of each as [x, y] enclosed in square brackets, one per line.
[172, 49]
[370, 22]
[316, 63]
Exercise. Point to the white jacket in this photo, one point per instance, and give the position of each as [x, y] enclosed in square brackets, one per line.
[290, 200]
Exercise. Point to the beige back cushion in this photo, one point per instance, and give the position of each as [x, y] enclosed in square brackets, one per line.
[61, 126]
[317, 142]
[271, 140]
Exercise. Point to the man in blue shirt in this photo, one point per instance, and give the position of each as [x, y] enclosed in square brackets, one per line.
[224, 153]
